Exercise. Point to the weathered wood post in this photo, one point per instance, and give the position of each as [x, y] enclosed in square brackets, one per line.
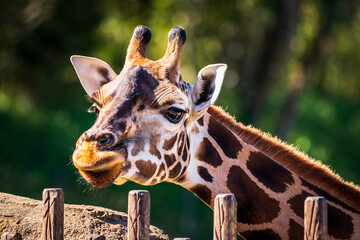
[53, 214]
[225, 217]
[11, 236]
[138, 215]
[315, 219]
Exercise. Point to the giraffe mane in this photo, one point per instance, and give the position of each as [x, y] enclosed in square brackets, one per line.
[290, 157]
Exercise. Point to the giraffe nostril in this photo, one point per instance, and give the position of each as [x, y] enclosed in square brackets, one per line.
[106, 139]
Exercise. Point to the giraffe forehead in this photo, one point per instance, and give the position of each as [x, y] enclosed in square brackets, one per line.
[141, 85]
[141, 81]
[168, 93]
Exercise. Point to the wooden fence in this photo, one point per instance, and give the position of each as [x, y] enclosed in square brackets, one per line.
[315, 220]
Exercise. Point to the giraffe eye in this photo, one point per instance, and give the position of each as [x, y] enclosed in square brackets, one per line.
[174, 115]
[94, 109]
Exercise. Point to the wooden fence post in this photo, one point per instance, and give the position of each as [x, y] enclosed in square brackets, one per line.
[315, 219]
[138, 215]
[53, 214]
[225, 217]
[11, 236]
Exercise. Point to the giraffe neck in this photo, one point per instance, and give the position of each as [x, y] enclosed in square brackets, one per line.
[270, 196]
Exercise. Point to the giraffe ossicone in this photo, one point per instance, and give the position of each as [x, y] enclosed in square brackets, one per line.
[152, 127]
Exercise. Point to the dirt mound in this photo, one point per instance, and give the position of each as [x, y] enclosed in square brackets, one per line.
[24, 215]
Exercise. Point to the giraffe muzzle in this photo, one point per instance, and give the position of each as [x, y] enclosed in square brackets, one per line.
[99, 168]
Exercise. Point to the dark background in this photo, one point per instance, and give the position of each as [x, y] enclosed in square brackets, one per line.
[294, 71]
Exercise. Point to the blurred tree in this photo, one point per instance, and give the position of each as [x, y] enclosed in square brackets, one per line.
[293, 72]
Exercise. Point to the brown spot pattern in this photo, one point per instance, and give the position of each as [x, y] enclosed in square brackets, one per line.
[180, 143]
[339, 223]
[203, 192]
[254, 205]
[161, 169]
[201, 121]
[169, 143]
[204, 174]
[162, 177]
[207, 153]
[169, 160]
[269, 172]
[153, 148]
[184, 154]
[296, 231]
[126, 167]
[154, 181]
[261, 235]
[224, 138]
[175, 171]
[297, 203]
[146, 168]
[187, 140]
[181, 178]
[138, 147]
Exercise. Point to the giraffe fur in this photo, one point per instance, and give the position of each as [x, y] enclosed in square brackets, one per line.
[154, 127]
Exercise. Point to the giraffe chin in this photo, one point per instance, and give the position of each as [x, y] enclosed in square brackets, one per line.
[101, 178]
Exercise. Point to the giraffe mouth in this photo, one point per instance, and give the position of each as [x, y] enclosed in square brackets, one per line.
[99, 168]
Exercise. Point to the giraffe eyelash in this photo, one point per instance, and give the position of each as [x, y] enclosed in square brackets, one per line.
[94, 109]
[97, 98]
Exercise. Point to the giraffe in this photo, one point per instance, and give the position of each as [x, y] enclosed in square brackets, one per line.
[153, 127]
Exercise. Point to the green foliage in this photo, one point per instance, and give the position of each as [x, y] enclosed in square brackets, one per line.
[293, 71]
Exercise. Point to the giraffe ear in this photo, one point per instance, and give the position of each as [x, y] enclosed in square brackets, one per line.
[207, 86]
[92, 72]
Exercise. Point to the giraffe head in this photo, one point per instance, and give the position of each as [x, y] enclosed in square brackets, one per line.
[144, 113]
